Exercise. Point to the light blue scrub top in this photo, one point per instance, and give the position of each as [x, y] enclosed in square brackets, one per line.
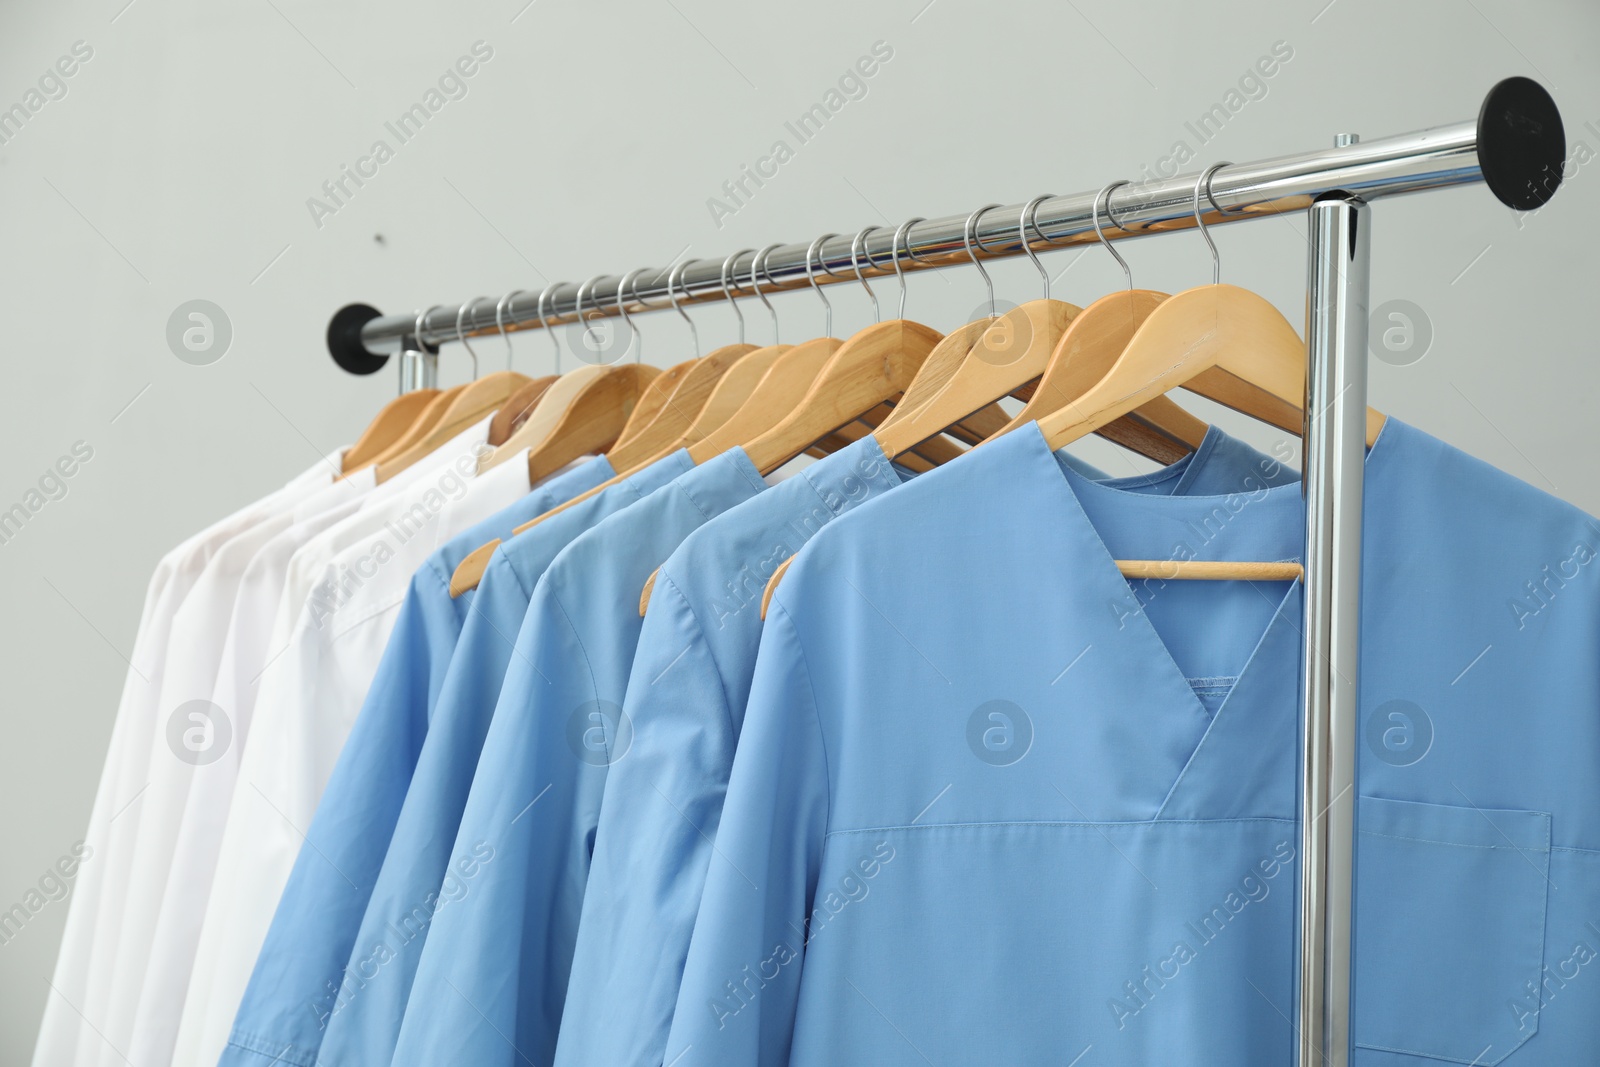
[493, 973]
[992, 803]
[416, 876]
[291, 991]
[686, 702]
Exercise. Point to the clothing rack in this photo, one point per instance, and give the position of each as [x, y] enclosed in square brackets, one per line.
[1517, 146]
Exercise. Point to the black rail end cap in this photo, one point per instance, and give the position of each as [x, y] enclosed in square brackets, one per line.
[1521, 143]
[344, 339]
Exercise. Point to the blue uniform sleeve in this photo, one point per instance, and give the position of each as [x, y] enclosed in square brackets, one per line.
[293, 988]
[741, 981]
[489, 987]
[420, 874]
[652, 847]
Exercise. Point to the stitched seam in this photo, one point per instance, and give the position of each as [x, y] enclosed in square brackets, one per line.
[594, 687]
[259, 1045]
[1455, 844]
[683, 491]
[700, 632]
[822, 737]
[748, 469]
[1137, 824]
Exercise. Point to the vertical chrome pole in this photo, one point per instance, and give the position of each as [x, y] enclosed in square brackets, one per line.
[1335, 455]
[419, 368]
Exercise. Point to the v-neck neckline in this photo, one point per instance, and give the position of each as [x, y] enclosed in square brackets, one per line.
[1104, 574]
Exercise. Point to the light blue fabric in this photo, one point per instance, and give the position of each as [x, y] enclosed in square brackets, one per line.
[981, 810]
[686, 701]
[493, 974]
[417, 875]
[282, 1017]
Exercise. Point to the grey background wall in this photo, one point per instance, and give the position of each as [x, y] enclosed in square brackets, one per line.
[177, 160]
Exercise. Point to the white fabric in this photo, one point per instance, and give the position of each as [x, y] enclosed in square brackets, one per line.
[198, 830]
[308, 700]
[81, 982]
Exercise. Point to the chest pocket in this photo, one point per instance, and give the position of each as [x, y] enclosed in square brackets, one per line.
[1450, 920]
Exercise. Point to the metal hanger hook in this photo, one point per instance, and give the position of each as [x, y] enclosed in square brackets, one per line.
[968, 235]
[860, 241]
[633, 287]
[545, 324]
[500, 320]
[1030, 217]
[758, 265]
[462, 337]
[416, 329]
[626, 282]
[1098, 232]
[578, 307]
[902, 233]
[727, 264]
[1204, 181]
[672, 276]
[815, 250]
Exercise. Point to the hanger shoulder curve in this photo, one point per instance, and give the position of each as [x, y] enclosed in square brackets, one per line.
[786, 381]
[470, 404]
[654, 399]
[649, 587]
[387, 427]
[936, 370]
[1220, 341]
[546, 413]
[594, 419]
[772, 585]
[469, 572]
[732, 391]
[425, 422]
[1012, 351]
[684, 404]
[875, 365]
[516, 410]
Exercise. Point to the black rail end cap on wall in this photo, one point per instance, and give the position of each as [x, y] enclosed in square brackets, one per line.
[1521, 143]
[344, 339]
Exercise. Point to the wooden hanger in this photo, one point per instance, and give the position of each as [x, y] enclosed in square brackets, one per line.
[680, 411]
[1085, 353]
[1022, 346]
[517, 409]
[476, 400]
[426, 421]
[387, 427]
[875, 365]
[781, 388]
[937, 370]
[545, 415]
[1220, 341]
[480, 397]
[592, 422]
[654, 399]
[1224, 343]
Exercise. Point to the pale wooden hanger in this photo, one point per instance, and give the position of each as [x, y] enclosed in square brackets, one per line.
[592, 422]
[521, 404]
[1019, 348]
[1216, 330]
[935, 371]
[1224, 343]
[676, 415]
[555, 404]
[479, 398]
[686, 402]
[426, 421]
[387, 427]
[517, 409]
[875, 365]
